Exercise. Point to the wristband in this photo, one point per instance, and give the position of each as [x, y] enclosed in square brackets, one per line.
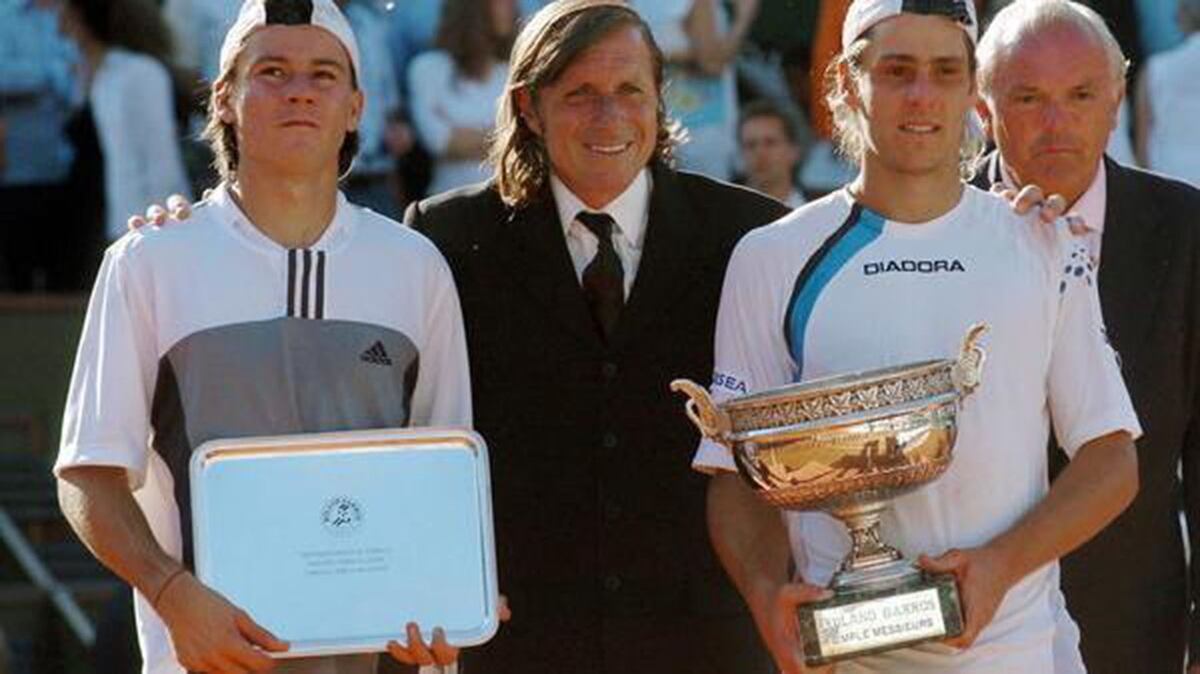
[166, 583]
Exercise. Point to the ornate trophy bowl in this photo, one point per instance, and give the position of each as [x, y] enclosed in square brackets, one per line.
[848, 445]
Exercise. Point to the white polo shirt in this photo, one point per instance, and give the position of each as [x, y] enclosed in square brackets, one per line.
[209, 329]
[834, 288]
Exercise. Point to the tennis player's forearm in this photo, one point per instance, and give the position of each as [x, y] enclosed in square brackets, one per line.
[1098, 484]
[747, 535]
[100, 508]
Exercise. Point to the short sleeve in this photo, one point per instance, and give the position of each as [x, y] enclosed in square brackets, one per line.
[750, 353]
[442, 394]
[1088, 398]
[107, 417]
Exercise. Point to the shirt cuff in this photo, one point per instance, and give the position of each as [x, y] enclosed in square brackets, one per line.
[1084, 434]
[712, 458]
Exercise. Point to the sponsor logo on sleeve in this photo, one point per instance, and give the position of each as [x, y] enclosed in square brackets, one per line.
[729, 383]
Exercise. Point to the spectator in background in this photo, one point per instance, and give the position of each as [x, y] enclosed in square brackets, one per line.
[413, 26]
[383, 134]
[1168, 104]
[770, 152]
[454, 89]
[36, 98]
[412, 29]
[701, 43]
[124, 45]
[198, 27]
[1158, 28]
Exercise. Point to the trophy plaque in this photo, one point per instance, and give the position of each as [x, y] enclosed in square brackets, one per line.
[847, 445]
[335, 541]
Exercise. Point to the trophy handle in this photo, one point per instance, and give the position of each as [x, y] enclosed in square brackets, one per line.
[712, 421]
[967, 371]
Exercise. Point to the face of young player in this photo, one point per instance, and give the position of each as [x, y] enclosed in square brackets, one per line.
[914, 93]
[1051, 108]
[292, 100]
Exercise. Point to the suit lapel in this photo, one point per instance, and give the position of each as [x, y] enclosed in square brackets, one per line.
[671, 243]
[535, 255]
[1133, 258]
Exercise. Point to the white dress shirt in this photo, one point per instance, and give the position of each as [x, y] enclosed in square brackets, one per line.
[1090, 207]
[630, 211]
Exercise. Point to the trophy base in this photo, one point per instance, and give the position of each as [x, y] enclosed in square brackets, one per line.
[860, 621]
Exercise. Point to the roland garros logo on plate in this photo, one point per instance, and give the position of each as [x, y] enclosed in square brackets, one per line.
[341, 515]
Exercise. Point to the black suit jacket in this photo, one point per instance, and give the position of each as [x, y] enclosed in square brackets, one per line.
[1128, 587]
[600, 522]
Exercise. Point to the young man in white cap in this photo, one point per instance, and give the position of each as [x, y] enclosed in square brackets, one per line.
[279, 308]
[892, 269]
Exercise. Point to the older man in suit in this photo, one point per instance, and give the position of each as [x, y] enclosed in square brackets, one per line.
[589, 272]
[1052, 78]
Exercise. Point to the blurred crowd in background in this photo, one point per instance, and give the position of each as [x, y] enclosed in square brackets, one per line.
[102, 101]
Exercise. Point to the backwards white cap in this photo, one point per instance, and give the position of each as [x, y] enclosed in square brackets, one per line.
[258, 13]
[864, 14]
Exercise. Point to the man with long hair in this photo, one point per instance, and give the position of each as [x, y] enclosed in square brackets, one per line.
[589, 271]
[892, 269]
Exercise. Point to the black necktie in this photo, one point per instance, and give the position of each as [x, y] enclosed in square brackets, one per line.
[603, 278]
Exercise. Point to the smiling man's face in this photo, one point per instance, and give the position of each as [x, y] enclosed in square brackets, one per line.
[599, 118]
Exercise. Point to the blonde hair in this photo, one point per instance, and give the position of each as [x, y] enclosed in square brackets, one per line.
[547, 45]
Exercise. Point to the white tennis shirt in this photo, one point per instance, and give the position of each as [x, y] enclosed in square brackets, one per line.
[834, 288]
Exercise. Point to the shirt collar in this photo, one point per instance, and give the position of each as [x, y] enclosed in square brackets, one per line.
[333, 236]
[629, 210]
[1090, 205]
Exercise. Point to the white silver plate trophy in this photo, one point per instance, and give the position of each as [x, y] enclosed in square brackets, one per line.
[336, 541]
[848, 445]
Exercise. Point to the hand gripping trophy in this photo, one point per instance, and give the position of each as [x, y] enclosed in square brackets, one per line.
[848, 445]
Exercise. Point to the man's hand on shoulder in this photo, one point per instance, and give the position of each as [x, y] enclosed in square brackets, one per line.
[177, 209]
[1029, 197]
[208, 633]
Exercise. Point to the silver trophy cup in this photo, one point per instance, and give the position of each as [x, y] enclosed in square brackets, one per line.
[848, 445]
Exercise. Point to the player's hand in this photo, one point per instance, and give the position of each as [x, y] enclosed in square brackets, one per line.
[503, 610]
[774, 611]
[417, 652]
[177, 209]
[1194, 669]
[1050, 208]
[209, 634]
[983, 580]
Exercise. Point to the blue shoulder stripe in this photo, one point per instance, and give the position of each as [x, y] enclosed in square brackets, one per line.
[861, 227]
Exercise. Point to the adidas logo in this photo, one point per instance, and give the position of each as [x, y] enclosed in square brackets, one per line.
[376, 355]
